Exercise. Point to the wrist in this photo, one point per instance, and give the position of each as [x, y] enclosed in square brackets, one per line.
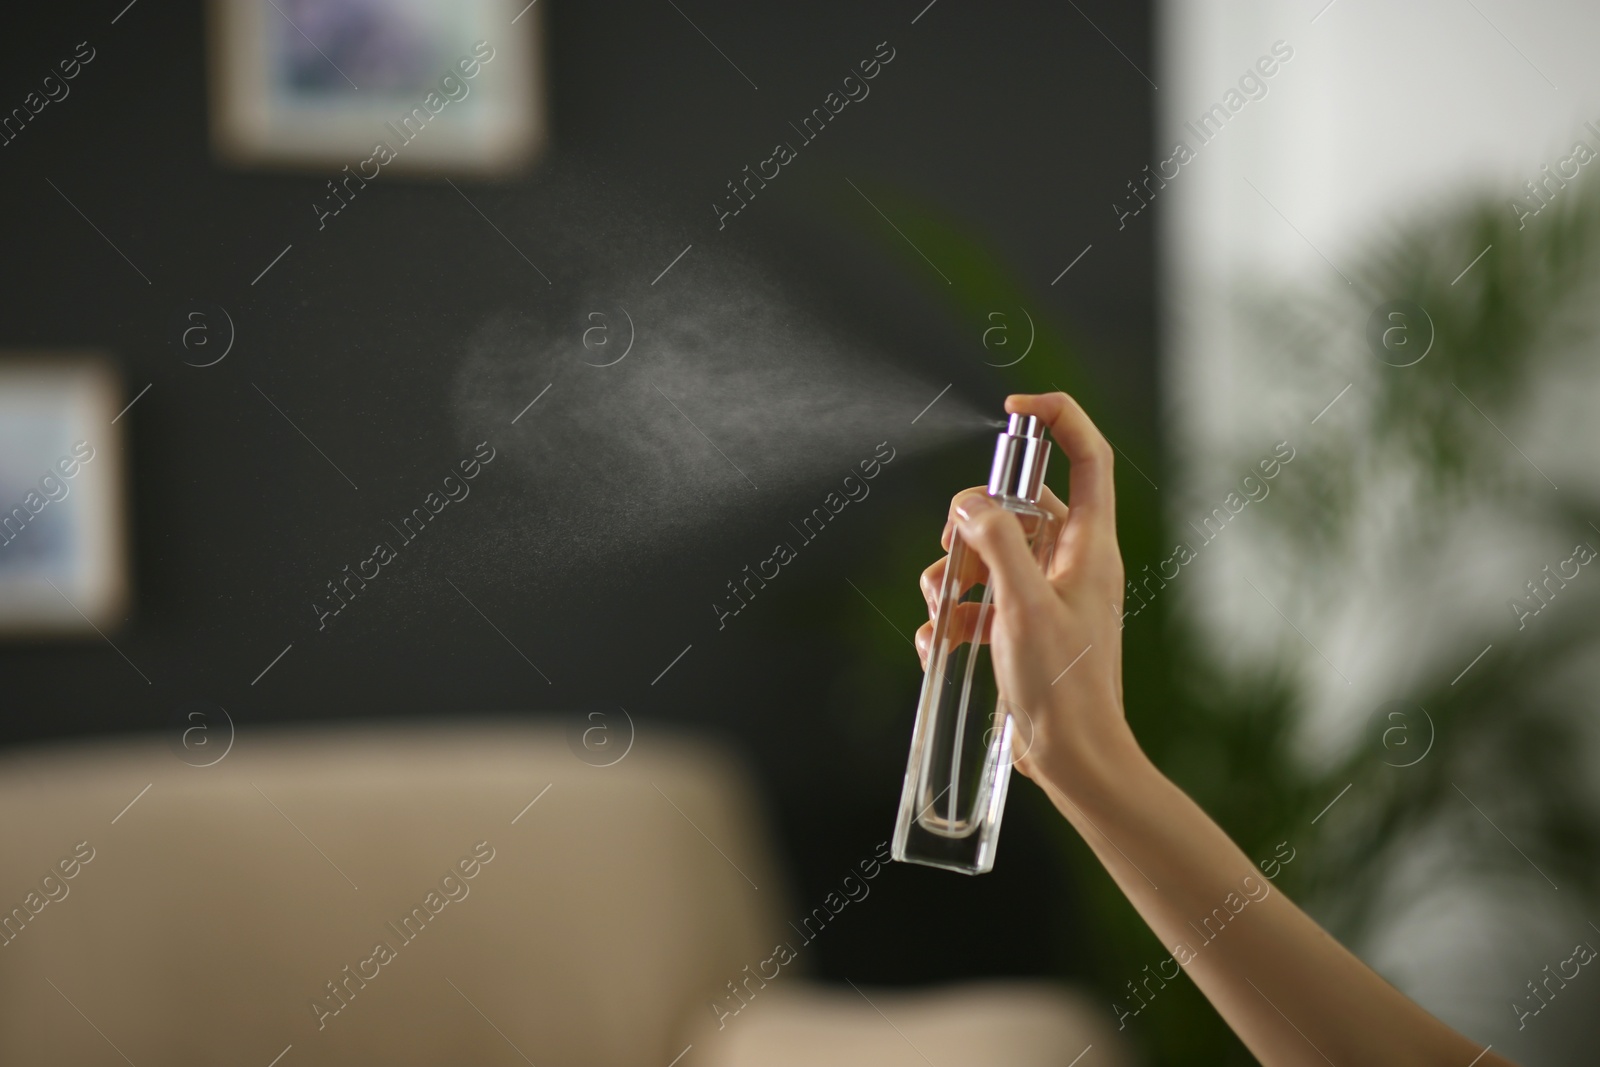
[1104, 777]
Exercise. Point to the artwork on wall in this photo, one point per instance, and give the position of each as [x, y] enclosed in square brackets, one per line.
[444, 86]
[63, 546]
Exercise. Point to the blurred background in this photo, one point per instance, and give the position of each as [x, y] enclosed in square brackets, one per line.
[582, 268]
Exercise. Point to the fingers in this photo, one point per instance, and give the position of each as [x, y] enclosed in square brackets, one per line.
[961, 628]
[995, 536]
[933, 580]
[1049, 501]
[1091, 499]
[950, 518]
[930, 582]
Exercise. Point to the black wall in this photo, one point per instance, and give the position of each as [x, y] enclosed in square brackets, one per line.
[1019, 122]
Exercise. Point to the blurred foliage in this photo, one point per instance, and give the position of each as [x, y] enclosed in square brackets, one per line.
[1228, 734]
[1439, 432]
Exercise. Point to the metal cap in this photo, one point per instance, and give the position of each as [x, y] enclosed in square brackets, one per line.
[1020, 455]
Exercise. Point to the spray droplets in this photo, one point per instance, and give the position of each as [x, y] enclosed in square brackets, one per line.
[727, 385]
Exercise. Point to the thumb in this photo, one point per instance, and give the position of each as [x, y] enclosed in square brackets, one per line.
[996, 536]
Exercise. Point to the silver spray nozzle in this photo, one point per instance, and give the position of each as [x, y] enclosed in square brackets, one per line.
[1020, 454]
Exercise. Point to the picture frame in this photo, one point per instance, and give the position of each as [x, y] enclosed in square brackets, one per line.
[451, 87]
[63, 521]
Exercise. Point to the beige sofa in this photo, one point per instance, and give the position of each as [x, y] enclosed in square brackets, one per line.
[390, 896]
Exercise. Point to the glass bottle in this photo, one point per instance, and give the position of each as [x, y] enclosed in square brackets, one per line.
[961, 746]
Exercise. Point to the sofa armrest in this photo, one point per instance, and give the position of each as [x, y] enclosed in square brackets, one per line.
[985, 1024]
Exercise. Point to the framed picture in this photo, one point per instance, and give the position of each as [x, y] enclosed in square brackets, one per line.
[63, 547]
[446, 86]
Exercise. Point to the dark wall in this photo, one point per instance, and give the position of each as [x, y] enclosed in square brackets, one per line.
[1020, 123]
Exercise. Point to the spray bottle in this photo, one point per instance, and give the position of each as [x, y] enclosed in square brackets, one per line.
[961, 746]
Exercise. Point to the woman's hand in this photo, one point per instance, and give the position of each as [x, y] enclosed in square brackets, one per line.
[1056, 636]
[1292, 994]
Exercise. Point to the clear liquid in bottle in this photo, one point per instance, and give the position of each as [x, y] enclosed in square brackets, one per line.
[962, 745]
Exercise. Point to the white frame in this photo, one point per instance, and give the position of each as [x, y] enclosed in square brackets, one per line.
[92, 591]
[499, 128]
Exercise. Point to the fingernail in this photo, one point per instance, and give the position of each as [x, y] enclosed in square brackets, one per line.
[974, 505]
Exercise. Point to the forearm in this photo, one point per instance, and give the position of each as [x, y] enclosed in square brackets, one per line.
[1291, 992]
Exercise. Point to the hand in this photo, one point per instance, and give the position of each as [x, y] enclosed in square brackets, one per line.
[1056, 644]
[1056, 637]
